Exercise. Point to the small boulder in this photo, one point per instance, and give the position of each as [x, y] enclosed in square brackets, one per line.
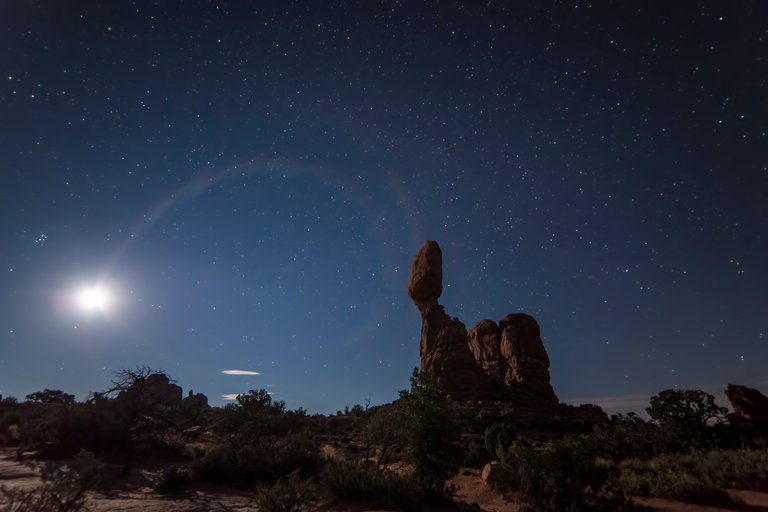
[491, 472]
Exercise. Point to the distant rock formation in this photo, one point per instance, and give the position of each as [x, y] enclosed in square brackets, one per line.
[196, 401]
[157, 389]
[489, 362]
[154, 389]
[749, 404]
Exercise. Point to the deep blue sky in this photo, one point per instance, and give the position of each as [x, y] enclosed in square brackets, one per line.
[251, 180]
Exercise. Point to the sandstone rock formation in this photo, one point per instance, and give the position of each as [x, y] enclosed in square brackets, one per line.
[490, 361]
[154, 389]
[749, 404]
[196, 401]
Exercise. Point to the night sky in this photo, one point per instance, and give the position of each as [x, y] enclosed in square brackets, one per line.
[243, 186]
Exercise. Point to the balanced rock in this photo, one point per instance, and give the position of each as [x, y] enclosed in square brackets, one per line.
[749, 404]
[426, 281]
[490, 361]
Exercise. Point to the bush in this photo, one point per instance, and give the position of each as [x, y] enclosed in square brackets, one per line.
[564, 476]
[263, 459]
[631, 437]
[361, 482]
[499, 437]
[288, 495]
[475, 454]
[386, 436]
[433, 445]
[696, 476]
[266, 443]
[174, 480]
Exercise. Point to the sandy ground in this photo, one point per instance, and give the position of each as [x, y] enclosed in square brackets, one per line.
[747, 501]
[470, 488]
[134, 493]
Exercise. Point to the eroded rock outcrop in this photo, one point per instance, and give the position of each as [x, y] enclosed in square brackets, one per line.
[490, 361]
[748, 403]
[154, 389]
[524, 358]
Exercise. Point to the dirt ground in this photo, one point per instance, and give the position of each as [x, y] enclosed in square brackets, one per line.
[135, 492]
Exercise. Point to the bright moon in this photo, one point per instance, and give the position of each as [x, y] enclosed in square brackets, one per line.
[93, 299]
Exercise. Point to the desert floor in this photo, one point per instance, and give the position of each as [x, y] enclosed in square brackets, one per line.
[135, 492]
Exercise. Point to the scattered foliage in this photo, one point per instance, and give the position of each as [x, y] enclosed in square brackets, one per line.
[174, 480]
[567, 475]
[342, 479]
[265, 442]
[291, 494]
[695, 476]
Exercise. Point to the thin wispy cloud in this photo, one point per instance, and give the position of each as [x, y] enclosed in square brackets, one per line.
[239, 372]
[233, 396]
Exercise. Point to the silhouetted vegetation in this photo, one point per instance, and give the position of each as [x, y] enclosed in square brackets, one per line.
[347, 480]
[567, 475]
[695, 476]
[290, 494]
[686, 415]
[433, 436]
[121, 420]
[264, 442]
[394, 456]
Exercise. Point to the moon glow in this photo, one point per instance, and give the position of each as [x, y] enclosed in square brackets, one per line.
[93, 299]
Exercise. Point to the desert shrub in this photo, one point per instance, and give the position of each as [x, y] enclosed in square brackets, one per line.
[63, 489]
[433, 439]
[262, 459]
[291, 494]
[174, 480]
[265, 442]
[386, 436]
[218, 464]
[50, 396]
[630, 437]
[567, 475]
[342, 479]
[499, 437]
[475, 454]
[695, 476]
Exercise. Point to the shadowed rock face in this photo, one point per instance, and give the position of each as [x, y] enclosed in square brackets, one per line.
[484, 343]
[750, 404]
[490, 361]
